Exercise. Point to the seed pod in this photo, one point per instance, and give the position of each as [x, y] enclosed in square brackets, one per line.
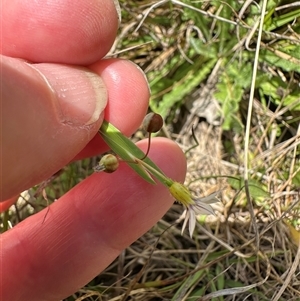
[152, 123]
[108, 163]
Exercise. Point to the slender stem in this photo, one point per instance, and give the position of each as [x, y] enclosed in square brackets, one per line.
[158, 175]
[148, 148]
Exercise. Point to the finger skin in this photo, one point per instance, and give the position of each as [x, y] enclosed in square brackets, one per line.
[67, 32]
[38, 142]
[36, 122]
[6, 204]
[128, 94]
[85, 229]
[59, 31]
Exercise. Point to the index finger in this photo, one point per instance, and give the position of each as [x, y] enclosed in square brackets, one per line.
[59, 31]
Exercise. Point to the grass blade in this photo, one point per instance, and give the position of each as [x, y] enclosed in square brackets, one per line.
[127, 150]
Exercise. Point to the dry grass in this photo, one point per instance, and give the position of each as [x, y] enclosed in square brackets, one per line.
[244, 252]
[224, 257]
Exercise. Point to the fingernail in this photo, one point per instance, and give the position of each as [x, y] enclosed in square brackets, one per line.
[118, 9]
[80, 94]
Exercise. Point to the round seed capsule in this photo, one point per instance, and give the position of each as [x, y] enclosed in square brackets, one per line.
[108, 163]
[152, 123]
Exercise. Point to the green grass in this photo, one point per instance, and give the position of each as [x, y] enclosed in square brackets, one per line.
[199, 58]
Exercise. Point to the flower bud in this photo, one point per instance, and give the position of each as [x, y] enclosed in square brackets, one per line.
[108, 163]
[152, 123]
[181, 194]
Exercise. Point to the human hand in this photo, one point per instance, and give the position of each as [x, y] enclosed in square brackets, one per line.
[44, 128]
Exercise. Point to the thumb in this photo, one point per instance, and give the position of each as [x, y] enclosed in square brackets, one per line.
[49, 113]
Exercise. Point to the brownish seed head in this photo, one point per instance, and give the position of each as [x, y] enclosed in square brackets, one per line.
[152, 123]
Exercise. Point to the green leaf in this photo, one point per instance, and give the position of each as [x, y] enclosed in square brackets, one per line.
[288, 60]
[255, 187]
[230, 89]
[281, 93]
[184, 87]
[129, 152]
[281, 20]
[188, 283]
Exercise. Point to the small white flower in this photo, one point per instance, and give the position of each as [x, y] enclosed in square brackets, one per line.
[200, 206]
[193, 206]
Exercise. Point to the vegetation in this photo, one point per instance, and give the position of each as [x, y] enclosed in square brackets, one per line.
[206, 74]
